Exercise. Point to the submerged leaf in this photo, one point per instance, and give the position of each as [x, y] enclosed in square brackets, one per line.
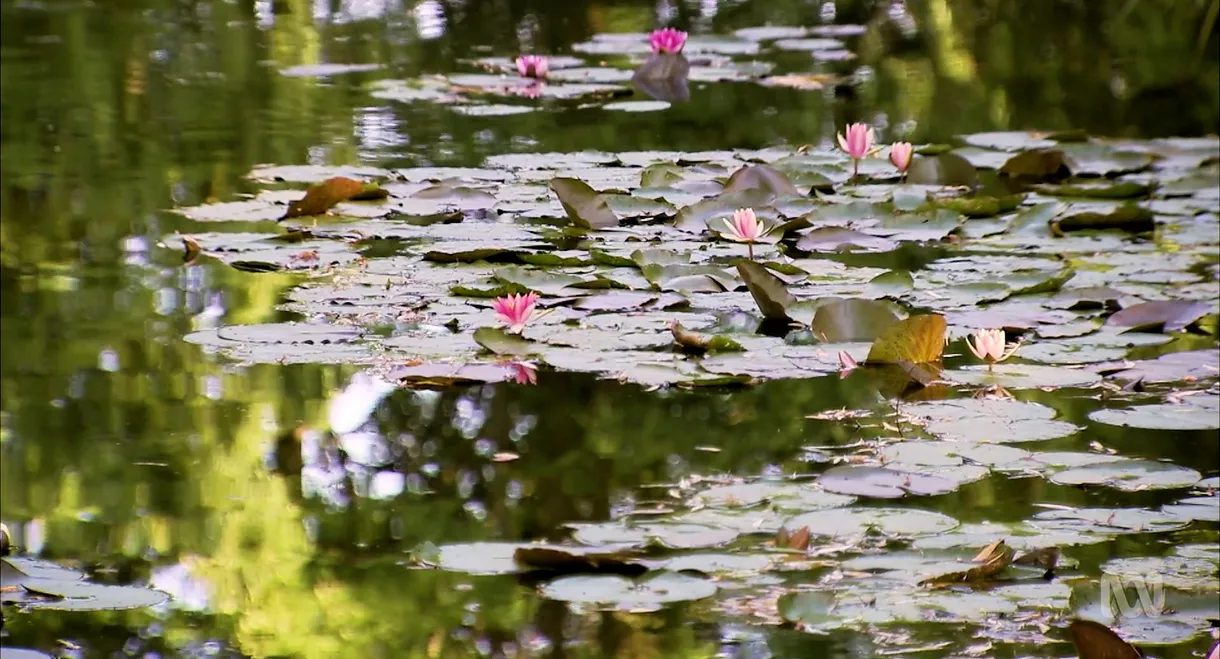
[918, 339]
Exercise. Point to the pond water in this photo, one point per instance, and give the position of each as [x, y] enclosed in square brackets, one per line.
[217, 428]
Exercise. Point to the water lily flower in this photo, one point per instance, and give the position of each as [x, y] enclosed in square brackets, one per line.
[533, 66]
[522, 372]
[847, 364]
[667, 40]
[515, 310]
[857, 144]
[988, 345]
[901, 154]
[744, 228]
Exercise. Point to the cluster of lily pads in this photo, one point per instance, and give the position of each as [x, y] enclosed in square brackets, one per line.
[727, 268]
[670, 62]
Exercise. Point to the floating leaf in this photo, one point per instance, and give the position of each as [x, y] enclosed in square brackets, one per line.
[1161, 315]
[842, 239]
[615, 593]
[840, 522]
[1130, 475]
[325, 195]
[881, 483]
[1161, 417]
[918, 339]
[502, 343]
[984, 421]
[585, 206]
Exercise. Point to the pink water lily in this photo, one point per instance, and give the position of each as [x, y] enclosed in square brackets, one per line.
[533, 66]
[515, 310]
[667, 40]
[744, 228]
[901, 154]
[988, 345]
[847, 364]
[522, 372]
[857, 144]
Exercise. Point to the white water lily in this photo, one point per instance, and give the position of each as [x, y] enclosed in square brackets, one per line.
[988, 345]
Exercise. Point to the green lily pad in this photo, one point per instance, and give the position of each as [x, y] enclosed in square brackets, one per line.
[1107, 521]
[792, 497]
[903, 522]
[668, 535]
[502, 343]
[615, 593]
[1023, 376]
[991, 421]
[1169, 315]
[1129, 475]
[882, 483]
[1161, 417]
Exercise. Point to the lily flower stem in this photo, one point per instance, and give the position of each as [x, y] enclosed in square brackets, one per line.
[855, 169]
[750, 250]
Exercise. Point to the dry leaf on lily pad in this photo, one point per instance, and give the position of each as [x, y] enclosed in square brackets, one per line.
[918, 340]
[997, 557]
[695, 343]
[325, 195]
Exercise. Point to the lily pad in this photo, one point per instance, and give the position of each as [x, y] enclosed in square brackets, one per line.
[615, 593]
[902, 522]
[918, 339]
[667, 535]
[1129, 475]
[991, 421]
[1171, 315]
[1161, 417]
[882, 483]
